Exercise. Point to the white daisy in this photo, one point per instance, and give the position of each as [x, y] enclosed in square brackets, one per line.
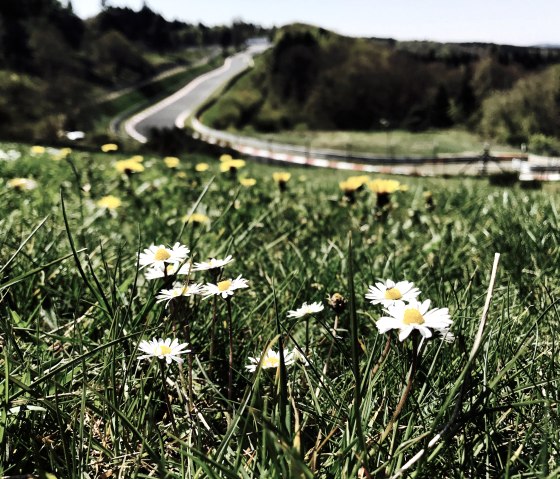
[271, 359]
[160, 255]
[212, 263]
[163, 349]
[414, 315]
[224, 288]
[388, 292]
[446, 335]
[171, 269]
[305, 310]
[178, 290]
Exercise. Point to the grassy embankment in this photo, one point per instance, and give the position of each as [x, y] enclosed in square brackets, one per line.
[74, 307]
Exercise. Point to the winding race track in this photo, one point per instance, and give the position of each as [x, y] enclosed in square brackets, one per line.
[169, 111]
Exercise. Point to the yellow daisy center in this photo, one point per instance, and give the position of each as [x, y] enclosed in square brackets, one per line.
[164, 350]
[271, 362]
[161, 254]
[224, 285]
[393, 293]
[413, 316]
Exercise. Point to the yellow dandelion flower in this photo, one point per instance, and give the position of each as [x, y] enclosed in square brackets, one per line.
[137, 158]
[226, 158]
[181, 174]
[108, 147]
[38, 150]
[248, 182]
[109, 202]
[230, 165]
[171, 161]
[196, 218]
[381, 186]
[201, 167]
[129, 166]
[281, 176]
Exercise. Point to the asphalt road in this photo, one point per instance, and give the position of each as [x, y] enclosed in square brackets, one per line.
[175, 109]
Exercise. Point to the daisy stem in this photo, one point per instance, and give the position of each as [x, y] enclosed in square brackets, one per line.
[213, 328]
[166, 397]
[189, 369]
[307, 336]
[230, 334]
[406, 392]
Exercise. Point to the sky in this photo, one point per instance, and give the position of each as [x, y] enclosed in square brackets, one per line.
[515, 22]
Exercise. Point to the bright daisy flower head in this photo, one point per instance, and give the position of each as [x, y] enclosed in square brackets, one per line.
[306, 309]
[212, 263]
[160, 255]
[386, 293]
[178, 290]
[225, 288]
[163, 349]
[407, 317]
[171, 269]
[270, 359]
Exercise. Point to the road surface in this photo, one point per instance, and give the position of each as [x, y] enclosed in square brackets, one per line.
[175, 109]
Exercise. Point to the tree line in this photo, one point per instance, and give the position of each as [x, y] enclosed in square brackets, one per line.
[316, 79]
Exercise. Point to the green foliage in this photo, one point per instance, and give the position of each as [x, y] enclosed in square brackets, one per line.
[530, 108]
[74, 306]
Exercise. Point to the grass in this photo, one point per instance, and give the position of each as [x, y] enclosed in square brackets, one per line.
[74, 307]
[393, 142]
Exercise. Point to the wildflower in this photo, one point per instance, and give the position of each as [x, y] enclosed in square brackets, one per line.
[386, 293]
[337, 302]
[163, 349]
[171, 161]
[407, 317]
[224, 288]
[271, 359]
[109, 202]
[281, 178]
[108, 147]
[353, 184]
[248, 182]
[137, 158]
[129, 166]
[158, 256]
[196, 218]
[305, 310]
[38, 150]
[212, 263]
[381, 186]
[172, 269]
[226, 157]
[383, 189]
[231, 165]
[201, 167]
[178, 290]
[22, 184]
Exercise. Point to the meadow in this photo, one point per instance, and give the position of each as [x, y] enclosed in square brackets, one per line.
[270, 390]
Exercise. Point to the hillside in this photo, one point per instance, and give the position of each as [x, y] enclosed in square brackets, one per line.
[52, 63]
[315, 79]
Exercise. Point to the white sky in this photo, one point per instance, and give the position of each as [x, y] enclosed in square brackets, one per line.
[516, 22]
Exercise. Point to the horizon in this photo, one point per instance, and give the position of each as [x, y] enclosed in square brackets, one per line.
[507, 22]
